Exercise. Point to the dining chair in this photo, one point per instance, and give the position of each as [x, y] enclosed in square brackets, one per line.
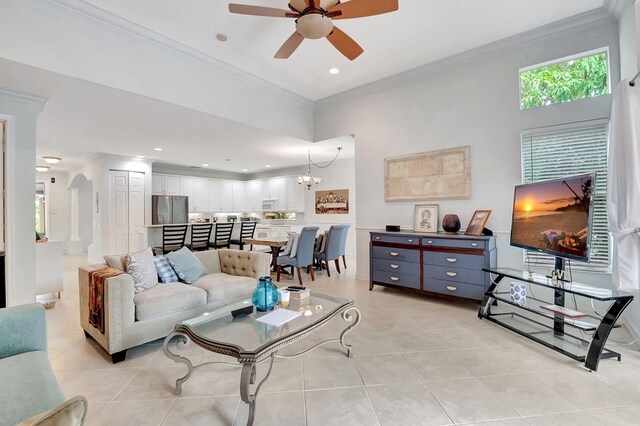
[303, 257]
[222, 236]
[173, 237]
[331, 249]
[342, 251]
[200, 236]
[247, 229]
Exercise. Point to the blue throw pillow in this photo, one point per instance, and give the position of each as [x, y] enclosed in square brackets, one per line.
[165, 270]
[188, 267]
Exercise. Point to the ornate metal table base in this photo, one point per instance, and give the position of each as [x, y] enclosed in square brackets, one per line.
[183, 339]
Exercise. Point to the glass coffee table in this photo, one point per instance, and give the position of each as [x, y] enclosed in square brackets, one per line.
[250, 341]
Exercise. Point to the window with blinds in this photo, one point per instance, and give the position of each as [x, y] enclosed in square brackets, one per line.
[553, 154]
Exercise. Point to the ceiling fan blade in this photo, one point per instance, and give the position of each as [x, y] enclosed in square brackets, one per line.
[289, 46]
[362, 8]
[345, 44]
[245, 9]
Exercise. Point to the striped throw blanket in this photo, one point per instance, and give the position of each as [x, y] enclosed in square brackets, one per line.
[96, 295]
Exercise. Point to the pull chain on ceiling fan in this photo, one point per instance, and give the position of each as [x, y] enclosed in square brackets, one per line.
[314, 20]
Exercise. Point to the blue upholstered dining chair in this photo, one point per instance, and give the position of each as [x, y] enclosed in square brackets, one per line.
[331, 247]
[304, 254]
[343, 244]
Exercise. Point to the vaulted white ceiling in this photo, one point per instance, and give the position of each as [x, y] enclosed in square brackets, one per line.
[421, 32]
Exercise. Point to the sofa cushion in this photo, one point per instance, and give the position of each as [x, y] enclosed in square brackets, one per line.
[188, 267]
[141, 267]
[71, 413]
[226, 288]
[166, 299]
[165, 270]
[115, 261]
[29, 387]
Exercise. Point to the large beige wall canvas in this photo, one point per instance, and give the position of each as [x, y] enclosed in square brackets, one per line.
[435, 175]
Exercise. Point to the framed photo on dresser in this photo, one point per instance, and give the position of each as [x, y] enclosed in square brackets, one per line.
[479, 219]
[426, 218]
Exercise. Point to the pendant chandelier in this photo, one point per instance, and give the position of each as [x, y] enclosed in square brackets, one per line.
[309, 179]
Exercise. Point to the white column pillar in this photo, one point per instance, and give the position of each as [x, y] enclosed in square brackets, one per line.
[74, 245]
[75, 228]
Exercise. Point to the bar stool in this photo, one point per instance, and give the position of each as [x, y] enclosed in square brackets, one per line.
[173, 237]
[247, 229]
[200, 235]
[222, 236]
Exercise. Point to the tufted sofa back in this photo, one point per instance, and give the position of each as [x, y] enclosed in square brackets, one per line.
[244, 263]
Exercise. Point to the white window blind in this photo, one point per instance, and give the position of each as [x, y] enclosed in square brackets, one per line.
[553, 154]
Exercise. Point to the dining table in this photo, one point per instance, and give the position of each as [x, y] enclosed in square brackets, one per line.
[275, 244]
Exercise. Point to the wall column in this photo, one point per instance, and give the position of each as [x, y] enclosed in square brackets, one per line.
[74, 245]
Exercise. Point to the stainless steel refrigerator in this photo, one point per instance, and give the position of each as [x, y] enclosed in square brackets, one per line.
[168, 209]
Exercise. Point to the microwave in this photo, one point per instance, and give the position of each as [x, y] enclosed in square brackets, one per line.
[269, 205]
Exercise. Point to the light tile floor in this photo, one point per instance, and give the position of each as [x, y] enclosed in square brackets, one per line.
[418, 361]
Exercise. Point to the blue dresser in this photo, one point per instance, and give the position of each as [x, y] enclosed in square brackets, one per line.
[432, 263]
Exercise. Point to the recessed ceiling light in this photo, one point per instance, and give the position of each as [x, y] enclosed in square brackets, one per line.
[222, 37]
[334, 71]
[42, 168]
[268, 166]
[51, 160]
[139, 156]
[205, 165]
[245, 170]
[157, 149]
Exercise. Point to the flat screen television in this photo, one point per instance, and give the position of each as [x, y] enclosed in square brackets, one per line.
[554, 216]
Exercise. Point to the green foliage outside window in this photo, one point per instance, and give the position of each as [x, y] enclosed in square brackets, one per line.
[567, 81]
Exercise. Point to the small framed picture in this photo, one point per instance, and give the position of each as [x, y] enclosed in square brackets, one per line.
[426, 218]
[477, 223]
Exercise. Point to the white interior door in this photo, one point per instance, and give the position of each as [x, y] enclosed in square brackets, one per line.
[136, 211]
[119, 211]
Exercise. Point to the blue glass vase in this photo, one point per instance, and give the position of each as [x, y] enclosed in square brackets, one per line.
[265, 296]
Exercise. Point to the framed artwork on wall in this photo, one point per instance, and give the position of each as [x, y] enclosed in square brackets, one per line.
[426, 218]
[332, 202]
[479, 219]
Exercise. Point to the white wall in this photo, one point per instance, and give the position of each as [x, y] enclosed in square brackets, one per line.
[341, 175]
[629, 34]
[473, 102]
[48, 35]
[20, 111]
[96, 170]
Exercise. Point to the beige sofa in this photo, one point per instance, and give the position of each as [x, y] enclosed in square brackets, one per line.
[133, 318]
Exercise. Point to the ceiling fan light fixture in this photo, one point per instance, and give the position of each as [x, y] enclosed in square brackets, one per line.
[314, 26]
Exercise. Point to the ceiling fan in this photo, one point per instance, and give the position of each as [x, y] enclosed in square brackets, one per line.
[314, 20]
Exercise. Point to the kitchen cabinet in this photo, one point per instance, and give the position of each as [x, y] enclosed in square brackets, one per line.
[165, 185]
[270, 189]
[227, 195]
[197, 191]
[253, 195]
[238, 196]
[215, 195]
[188, 189]
[281, 198]
[295, 195]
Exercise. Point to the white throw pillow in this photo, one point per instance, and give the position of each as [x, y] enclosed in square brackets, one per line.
[294, 245]
[141, 267]
[287, 248]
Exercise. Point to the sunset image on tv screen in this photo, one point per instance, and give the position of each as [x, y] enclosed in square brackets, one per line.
[553, 216]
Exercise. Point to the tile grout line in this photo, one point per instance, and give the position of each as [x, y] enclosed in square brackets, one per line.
[375, 413]
[168, 412]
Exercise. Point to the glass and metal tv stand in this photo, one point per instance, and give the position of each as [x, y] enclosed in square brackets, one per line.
[517, 304]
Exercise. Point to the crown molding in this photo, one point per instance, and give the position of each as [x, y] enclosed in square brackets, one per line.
[94, 14]
[538, 35]
[614, 7]
[27, 98]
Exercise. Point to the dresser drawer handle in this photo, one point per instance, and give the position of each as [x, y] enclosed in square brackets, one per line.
[395, 279]
[450, 288]
[474, 244]
[452, 274]
[377, 238]
[394, 253]
[394, 266]
[429, 242]
[452, 259]
[410, 241]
